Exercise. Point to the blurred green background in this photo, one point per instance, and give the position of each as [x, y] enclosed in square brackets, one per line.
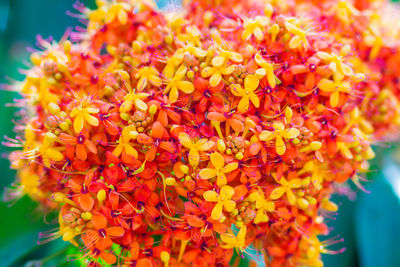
[369, 224]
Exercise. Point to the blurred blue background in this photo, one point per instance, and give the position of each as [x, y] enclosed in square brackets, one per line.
[369, 224]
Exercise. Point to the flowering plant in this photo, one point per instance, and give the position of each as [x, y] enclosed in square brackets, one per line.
[177, 138]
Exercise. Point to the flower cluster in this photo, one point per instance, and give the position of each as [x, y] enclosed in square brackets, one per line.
[176, 138]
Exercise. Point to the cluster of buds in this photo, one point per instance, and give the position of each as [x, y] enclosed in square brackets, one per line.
[176, 138]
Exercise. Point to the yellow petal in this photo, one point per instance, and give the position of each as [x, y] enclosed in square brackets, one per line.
[229, 239]
[186, 87]
[204, 144]
[280, 146]
[254, 99]
[155, 80]
[227, 191]
[241, 236]
[185, 140]
[291, 133]
[194, 158]
[258, 34]
[228, 70]
[207, 72]
[334, 99]
[217, 160]
[221, 180]
[126, 106]
[266, 135]
[142, 83]
[131, 151]
[118, 150]
[181, 72]
[244, 104]
[139, 104]
[251, 83]
[217, 211]
[277, 193]
[218, 61]
[54, 154]
[294, 183]
[210, 196]
[173, 94]
[215, 79]
[291, 197]
[237, 90]
[78, 123]
[295, 42]
[236, 57]
[326, 85]
[230, 167]
[122, 17]
[207, 173]
[92, 120]
[229, 205]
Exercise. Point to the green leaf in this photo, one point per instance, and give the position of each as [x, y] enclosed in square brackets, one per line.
[378, 219]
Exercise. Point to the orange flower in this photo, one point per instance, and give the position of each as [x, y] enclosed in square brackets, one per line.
[101, 236]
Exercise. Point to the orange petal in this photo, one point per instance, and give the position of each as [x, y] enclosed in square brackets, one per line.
[115, 231]
[158, 130]
[81, 152]
[86, 201]
[99, 221]
[108, 257]
[144, 139]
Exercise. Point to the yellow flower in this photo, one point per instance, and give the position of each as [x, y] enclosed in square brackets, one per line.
[133, 99]
[279, 134]
[124, 144]
[194, 148]
[219, 169]
[286, 187]
[226, 55]
[175, 61]
[147, 74]
[262, 205]
[83, 113]
[299, 37]
[318, 174]
[266, 69]
[175, 83]
[118, 10]
[218, 69]
[251, 83]
[335, 88]
[46, 150]
[232, 241]
[254, 27]
[336, 65]
[223, 200]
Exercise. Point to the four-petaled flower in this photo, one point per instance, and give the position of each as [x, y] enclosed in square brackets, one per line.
[219, 170]
[267, 69]
[124, 143]
[176, 82]
[218, 69]
[254, 27]
[262, 205]
[247, 94]
[279, 134]
[83, 112]
[194, 148]
[334, 88]
[100, 236]
[82, 143]
[237, 242]
[223, 200]
[286, 187]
